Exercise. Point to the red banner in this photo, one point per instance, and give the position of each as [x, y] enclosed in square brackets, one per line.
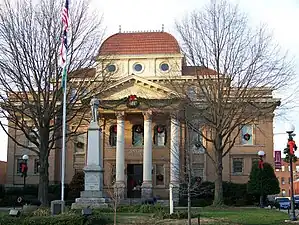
[277, 159]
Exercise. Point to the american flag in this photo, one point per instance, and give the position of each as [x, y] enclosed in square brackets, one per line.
[65, 23]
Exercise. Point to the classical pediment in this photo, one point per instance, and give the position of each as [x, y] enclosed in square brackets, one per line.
[134, 85]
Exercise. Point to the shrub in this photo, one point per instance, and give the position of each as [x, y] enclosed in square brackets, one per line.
[2, 191]
[145, 208]
[76, 185]
[234, 195]
[42, 211]
[176, 215]
[264, 180]
[197, 202]
[56, 220]
[18, 191]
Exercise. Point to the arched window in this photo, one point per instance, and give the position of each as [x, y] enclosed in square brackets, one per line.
[160, 135]
[137, 135]
[112, 135]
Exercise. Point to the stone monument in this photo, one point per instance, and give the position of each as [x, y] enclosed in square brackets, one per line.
[92, 196]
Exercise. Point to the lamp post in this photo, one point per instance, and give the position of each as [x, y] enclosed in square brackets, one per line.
[24, 168]
[261, 155]
[290, 128]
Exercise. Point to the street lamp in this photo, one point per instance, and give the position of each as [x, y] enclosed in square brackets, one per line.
[261, 155]
[290, 128]
[24, 168]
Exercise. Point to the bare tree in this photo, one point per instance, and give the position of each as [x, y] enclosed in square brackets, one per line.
[114, 195]
[30, 76]
[189, 180]
[235, 69]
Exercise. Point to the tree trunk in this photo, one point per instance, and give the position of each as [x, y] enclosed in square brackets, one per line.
[218, 194]
[43, 179]
[189, 198]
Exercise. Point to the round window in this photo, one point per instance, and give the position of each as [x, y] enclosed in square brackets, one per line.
[111, 68]
[164, 67]
[138, 67]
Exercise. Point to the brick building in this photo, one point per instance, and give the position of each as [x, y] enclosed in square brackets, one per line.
[142, 70]
[3, 166]
[283, 175]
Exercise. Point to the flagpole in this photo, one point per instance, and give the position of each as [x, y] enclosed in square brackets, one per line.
[65, 21]
[64, 75]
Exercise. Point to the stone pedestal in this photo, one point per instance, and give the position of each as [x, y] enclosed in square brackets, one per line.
[92, 196]
[146, 190]
[175, 191]
[120, 190]
[93, 203]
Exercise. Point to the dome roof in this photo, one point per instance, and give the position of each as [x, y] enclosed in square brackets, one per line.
[140, 43]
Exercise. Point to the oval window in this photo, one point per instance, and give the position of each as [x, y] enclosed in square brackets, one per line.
[138, 67]
[111, 68]
[164, 67]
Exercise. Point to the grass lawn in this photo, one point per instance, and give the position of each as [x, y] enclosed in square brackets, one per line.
[245, 216]
[214, 216]
[208, 215]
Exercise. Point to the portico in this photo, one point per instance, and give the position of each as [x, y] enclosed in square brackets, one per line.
[152, 140]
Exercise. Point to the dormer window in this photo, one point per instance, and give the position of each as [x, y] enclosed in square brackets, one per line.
[164, 67]
[111, 68]
[138, 67]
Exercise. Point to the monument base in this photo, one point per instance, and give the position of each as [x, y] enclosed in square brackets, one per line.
[92, 203]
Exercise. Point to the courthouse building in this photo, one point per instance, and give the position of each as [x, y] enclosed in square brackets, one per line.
[144, 123]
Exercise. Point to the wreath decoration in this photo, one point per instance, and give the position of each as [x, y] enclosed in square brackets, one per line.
[138, 129]
[160, 177]
[197, 144]
[80, 144]
[198, 180]
[160, 129]
[114, 129]
[246, 137]
[132, 101]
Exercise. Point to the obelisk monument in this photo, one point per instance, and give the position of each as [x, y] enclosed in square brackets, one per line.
[92, 196]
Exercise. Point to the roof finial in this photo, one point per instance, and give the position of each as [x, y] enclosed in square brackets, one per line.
[119, 28]
[162, 27]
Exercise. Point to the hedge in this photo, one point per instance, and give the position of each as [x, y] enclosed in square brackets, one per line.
[233, 195]
[56, 220]
[9, 196]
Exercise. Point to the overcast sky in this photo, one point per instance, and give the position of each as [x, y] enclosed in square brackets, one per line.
[133, 15]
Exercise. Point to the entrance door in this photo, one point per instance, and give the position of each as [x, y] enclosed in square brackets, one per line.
[134, 180]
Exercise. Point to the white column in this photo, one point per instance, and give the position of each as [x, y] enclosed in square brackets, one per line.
[147, 150]
[174, 151]
[120, 148]
[174, 162]
[147, 156]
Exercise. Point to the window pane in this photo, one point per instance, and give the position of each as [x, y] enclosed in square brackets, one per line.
[246, 135]
[19, 165]
[36, 166]
[198, 170]
[237, 165]
[80, 142]
[160, 135]
[112, 135]
[160, 176]
[137, 135]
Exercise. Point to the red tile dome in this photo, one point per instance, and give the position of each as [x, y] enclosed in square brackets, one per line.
[140, 43]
